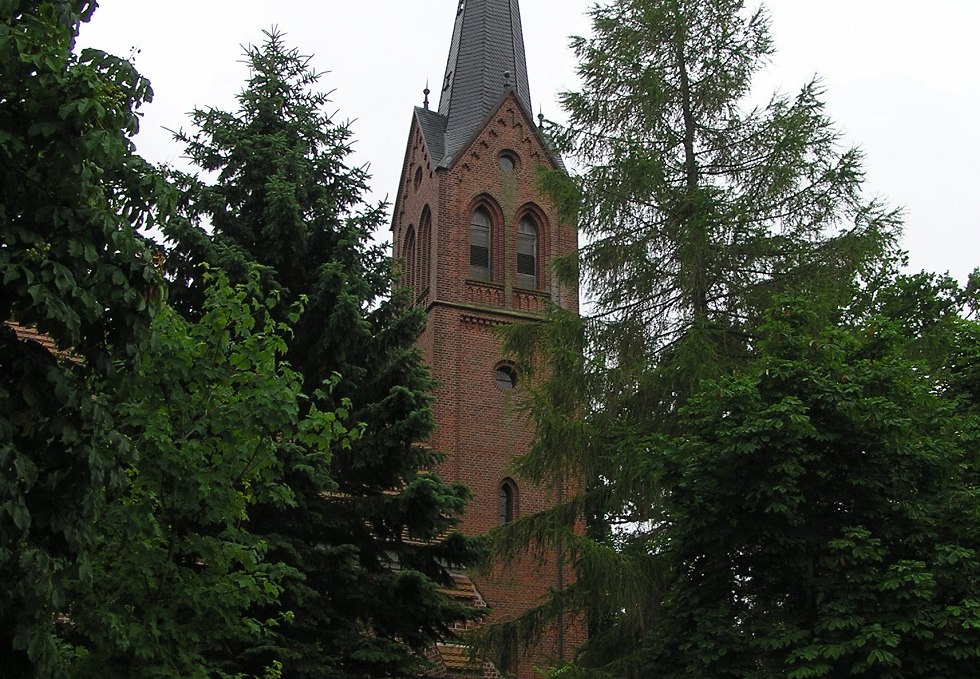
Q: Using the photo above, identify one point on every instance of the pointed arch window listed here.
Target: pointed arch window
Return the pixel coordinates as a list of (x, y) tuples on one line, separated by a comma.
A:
[(408, 254), (527, 253), (508, 501), (425, 250), (480, 245)]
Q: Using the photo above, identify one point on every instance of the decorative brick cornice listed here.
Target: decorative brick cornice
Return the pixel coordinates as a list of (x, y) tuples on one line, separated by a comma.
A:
[(487, 316), (483, 320)]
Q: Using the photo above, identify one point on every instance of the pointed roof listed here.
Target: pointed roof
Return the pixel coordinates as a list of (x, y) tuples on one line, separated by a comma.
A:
[(487, 44)]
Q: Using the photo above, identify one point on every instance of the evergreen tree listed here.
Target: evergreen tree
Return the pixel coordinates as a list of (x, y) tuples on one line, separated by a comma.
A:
[(72, 196), (814, 513), (373, 549)]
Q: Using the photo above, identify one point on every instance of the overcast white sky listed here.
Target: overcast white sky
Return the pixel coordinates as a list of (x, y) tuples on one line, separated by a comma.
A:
[(902, 79)]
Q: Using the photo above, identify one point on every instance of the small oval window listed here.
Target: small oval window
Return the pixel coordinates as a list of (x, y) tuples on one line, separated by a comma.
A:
[(418, 178)]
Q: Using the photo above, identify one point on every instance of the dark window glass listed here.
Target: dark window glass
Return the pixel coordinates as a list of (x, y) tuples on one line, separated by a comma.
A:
[(506, 377), (480, 245), (480, 255), (506, 163), (527, 254), (410, 273), (507, 498)]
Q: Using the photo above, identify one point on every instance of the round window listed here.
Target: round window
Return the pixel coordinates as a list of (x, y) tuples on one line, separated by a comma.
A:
[(507, 161), (506, 378)]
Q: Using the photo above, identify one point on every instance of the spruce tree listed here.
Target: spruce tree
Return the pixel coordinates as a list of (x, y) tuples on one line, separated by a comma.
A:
[(370, 534)]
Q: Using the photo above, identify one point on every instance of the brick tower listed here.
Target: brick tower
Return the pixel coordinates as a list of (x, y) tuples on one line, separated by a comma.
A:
[(476, 235)]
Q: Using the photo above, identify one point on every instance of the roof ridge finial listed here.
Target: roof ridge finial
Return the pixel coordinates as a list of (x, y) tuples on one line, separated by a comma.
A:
[(506, 78), (540, 118), (426, 92)]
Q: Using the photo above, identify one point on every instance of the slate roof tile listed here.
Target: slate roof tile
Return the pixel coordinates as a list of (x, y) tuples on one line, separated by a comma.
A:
[(487, 43)]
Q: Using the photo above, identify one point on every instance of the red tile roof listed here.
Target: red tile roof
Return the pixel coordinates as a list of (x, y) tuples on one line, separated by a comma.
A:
[(28, 334), (456, 660), (459, 658)]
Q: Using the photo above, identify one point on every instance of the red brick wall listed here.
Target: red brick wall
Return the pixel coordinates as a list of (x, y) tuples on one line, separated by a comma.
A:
[(479, 426), (412, 202)]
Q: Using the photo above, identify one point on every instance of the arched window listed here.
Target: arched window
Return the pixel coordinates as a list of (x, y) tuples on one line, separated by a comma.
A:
[(505, 376), (480, 245), (508, 501), (527, 253), (425, 249), (408, 254)]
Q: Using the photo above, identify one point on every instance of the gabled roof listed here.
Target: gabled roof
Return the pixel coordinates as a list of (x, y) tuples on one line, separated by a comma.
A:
[(488, 43), (433, 128)]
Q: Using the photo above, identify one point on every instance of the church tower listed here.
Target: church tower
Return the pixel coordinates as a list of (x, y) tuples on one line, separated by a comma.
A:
[(476, 235)]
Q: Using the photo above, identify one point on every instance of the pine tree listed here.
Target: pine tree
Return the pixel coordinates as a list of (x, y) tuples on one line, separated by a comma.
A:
[(372, 548)]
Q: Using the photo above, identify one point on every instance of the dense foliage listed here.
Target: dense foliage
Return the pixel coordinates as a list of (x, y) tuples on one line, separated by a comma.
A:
[(179, 571), (72, 196), (371, 548), (175, 499), (769, 487), (821, 515), (774, 433)]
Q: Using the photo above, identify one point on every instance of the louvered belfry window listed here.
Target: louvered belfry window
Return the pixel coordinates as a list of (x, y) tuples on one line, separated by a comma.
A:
[(480, 245), (527, 254)]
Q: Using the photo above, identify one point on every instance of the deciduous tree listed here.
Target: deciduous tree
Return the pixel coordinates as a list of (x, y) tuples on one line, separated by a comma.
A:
[(821, 515), (698, 206), (207, 421), (72, 196)]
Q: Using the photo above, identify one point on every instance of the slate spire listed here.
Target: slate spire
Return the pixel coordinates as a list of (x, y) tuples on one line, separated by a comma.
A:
[(487, 44)]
